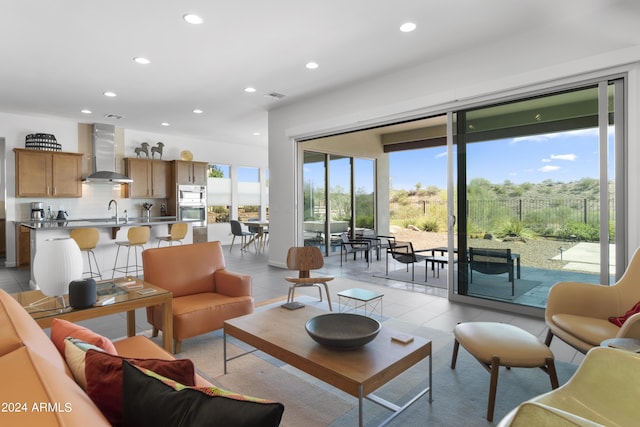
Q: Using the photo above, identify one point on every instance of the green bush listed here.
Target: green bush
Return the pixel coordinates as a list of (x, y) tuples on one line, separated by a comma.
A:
[(513, 228), (429, 225), (573, 230)]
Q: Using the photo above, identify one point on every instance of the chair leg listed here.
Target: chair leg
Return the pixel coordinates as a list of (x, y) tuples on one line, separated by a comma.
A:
[(95, 261), (177, 346), (154, 332), (326, 289), (454, 355), (493, 386), (547, 340), (232, 240), (115, 264), (551, 370)]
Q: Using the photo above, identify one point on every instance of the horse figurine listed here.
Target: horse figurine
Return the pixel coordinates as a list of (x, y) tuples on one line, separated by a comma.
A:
[(157, 149), (144, 148)]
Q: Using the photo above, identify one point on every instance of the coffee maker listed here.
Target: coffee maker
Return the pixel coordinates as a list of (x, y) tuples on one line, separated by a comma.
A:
[(37, 211)]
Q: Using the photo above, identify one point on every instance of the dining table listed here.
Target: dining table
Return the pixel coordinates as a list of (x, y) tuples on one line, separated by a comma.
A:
[(259, 238)]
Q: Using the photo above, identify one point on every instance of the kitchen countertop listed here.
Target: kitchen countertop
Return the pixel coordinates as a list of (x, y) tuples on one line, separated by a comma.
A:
[(99, 223)]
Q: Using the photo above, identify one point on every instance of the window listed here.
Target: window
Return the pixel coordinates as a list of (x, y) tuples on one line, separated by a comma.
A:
[(219, 193)]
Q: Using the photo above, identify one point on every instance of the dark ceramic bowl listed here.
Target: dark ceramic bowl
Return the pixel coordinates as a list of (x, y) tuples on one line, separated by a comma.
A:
[(342, 330)]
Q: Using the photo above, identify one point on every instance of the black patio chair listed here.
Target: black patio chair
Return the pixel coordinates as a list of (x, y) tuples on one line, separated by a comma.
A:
[(403, 253), (353, 246)]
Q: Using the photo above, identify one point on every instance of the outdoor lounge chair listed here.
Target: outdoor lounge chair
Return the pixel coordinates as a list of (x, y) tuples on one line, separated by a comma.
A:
[(491, 261), (403, 253)]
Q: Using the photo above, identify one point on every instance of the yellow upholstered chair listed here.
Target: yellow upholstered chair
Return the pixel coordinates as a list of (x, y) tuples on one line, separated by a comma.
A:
[(304, 259), (578, 313), (137, 237), (87, 240), (177, 232), (603, 392)]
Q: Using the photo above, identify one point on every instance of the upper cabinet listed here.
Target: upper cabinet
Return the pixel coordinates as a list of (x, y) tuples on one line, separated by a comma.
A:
[(190, 172), (48, 174), (150, 178)]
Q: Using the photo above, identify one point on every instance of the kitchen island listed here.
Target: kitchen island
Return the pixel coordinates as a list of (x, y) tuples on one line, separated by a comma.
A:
[(110, 231)]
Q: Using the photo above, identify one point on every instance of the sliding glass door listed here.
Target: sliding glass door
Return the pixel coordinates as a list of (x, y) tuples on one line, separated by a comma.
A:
[(537, 193), (338, 197)]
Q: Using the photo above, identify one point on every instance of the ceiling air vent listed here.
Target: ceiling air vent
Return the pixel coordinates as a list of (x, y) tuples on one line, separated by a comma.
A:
[(114, 116), (274, 95)]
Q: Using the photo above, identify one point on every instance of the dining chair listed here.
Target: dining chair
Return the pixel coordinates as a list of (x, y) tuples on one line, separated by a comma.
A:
[(237, 231)]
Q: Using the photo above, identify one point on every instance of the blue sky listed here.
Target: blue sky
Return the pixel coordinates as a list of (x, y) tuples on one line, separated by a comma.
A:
[(564, 157), (567, 156)]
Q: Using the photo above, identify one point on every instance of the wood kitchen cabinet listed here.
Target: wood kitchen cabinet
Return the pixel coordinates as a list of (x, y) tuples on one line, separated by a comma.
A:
[(23, 247), (150, 178), (48, 174), (190, 172)]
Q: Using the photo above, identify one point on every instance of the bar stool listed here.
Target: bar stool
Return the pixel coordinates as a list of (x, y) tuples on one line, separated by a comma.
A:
[(136, 237), (87, 240), (177, 232)]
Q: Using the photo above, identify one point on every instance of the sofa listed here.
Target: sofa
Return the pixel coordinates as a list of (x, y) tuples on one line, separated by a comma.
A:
[(129, 382), (38, 387), (205, 294)]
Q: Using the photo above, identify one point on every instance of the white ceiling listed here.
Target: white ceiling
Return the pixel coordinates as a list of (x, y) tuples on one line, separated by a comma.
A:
[(58, 57)]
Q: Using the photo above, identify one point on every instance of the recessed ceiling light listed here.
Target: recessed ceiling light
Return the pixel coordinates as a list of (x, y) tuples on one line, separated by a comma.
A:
[(256, 134), (141, 60), (407, 27), (164, 124), (85, 111), (198, 111), (250, 89), (109, 94), (312, 65), (192, 19)]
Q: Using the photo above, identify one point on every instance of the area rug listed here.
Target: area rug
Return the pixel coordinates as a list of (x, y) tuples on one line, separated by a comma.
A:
[(459, 396)]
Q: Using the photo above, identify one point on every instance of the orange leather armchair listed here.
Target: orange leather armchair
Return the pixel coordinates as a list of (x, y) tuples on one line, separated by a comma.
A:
[(578, 313), (205, 294)]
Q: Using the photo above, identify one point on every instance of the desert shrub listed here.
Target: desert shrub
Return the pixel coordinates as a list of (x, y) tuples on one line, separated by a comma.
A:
[(579, 231), (513, 228), (429, 225)]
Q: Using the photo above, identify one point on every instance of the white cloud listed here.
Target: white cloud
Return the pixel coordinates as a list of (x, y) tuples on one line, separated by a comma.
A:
[(569, 157), (546, 160), (443, 154), (549, 168)]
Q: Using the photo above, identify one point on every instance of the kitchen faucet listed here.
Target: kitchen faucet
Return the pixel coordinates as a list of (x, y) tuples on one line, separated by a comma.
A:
[(109, 208)]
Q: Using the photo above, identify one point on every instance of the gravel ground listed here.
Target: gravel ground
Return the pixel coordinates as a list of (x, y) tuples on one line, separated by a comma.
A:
[(533, 252)]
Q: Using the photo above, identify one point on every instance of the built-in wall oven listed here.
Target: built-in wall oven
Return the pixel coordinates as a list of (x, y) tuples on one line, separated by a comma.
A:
[(192, 204)]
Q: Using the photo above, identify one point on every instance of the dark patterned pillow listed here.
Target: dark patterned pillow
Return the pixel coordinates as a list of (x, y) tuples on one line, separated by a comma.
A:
[(152, 400)]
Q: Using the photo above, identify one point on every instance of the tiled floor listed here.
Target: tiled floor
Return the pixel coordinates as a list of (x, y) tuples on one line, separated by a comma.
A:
[(427, 306)]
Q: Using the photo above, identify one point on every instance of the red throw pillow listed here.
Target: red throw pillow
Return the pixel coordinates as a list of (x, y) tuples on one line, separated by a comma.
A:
[(104, 378), (618, 321), (61, 329)]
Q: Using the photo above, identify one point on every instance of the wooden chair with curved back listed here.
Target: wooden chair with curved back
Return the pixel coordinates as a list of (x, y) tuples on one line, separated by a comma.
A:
[(304, 259)]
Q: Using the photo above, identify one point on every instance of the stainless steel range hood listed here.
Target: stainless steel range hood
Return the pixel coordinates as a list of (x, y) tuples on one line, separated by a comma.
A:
[(104, 156)]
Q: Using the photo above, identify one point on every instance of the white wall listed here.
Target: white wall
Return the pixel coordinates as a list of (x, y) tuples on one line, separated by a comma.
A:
[(451, 83), (14, 128)]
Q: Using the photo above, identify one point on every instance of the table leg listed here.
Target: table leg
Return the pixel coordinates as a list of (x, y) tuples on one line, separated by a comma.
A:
[(360, 406), (167, 325), (131, 323), (518, 266)]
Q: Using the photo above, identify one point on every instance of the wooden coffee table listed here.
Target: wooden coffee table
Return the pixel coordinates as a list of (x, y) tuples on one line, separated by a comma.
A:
[(281, 334), (44, 310)]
